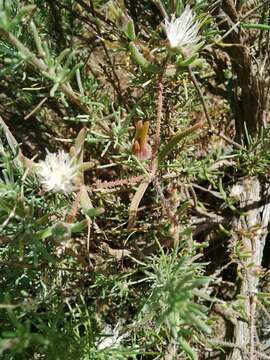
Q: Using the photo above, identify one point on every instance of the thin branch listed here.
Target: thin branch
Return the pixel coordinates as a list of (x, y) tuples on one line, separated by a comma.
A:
[(237, 24), (121, 182), (161, 8), (209, 121), (36, 108), (195, 83), (159, 115), (165, 204)]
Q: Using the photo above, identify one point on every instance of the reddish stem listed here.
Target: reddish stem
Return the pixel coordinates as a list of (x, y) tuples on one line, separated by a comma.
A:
[(158, 122)]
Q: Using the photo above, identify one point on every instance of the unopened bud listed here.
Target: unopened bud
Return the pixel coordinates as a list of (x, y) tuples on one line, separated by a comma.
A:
[(141, 149)]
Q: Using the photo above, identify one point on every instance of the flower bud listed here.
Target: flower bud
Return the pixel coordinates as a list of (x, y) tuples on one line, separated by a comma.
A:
[(140, 148)]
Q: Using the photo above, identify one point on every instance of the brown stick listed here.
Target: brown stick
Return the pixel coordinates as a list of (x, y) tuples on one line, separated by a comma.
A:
[(209, 121)]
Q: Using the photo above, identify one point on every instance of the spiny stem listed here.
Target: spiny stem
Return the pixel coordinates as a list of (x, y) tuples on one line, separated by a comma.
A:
[(154, 159), (159, 115), (122, 182), (75, 207)]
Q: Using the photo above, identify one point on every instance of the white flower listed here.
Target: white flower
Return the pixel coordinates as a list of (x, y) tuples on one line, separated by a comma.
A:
[(57, 172), (182, 32)]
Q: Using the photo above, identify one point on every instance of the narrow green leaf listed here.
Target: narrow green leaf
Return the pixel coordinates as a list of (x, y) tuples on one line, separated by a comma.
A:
[(256, 26), (80, 140), (140, 60), (43, 234), (187, 62), (85, 201), (130, 31), (187, 349), (78, 227), (201, 324), (173, 142), (93, 212)]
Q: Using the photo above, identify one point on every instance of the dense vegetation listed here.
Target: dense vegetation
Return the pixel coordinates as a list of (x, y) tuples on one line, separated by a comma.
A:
[(134, 169)]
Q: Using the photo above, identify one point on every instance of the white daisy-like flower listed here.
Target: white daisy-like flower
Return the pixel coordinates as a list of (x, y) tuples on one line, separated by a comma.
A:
[(57, 172), (182, 32)]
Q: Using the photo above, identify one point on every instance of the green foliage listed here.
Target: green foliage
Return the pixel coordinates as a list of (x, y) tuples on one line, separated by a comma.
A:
[(8, 22), (175, 279), (254, 158), (145, 251), (24, 216)]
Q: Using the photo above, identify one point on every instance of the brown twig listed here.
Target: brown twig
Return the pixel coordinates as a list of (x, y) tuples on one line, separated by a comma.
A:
[(115, 81), (236, 24), (165, 204), (36, 108), (209, 121), (195, 83), (161, 8)]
